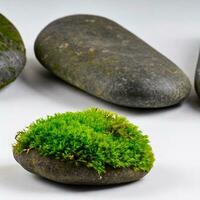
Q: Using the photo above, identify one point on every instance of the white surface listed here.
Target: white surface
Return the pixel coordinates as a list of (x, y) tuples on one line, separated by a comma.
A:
[(172, 27)]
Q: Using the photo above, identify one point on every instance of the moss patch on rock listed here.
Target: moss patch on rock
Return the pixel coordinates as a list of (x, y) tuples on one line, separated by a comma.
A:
[(95, 138), (9, 36)]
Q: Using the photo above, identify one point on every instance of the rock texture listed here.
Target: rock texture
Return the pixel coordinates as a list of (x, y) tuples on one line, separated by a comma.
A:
[(104, 59), (12, 52), (69, 173), (197, 78)]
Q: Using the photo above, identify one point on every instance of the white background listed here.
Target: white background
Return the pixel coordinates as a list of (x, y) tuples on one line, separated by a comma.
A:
[(173, 28)]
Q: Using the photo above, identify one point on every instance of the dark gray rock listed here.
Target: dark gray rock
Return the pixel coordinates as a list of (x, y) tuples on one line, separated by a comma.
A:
[(104, 59), (12, 52), (197, 78), (69, 173)]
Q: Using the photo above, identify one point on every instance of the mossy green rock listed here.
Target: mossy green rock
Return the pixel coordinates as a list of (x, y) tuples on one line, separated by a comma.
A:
[(197, 78), (104, 59), (12, 52), (92, 147), (68, 173)]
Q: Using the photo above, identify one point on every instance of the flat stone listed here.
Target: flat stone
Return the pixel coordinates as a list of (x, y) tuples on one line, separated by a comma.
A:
[(69, 173), (104, 59), (197, 78), (12, 52)]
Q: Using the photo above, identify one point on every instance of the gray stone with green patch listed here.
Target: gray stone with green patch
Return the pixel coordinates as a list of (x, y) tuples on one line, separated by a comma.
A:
[(104, 59), (12, 52)]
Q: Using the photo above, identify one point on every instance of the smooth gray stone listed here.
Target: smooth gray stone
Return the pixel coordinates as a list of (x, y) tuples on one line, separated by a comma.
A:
[(69, 173), (104, 59), (12, 52), (197, 78)]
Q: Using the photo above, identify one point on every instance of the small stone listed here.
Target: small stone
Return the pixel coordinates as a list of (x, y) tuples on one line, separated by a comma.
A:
[(197, 78), (106, 60), (12, 52)]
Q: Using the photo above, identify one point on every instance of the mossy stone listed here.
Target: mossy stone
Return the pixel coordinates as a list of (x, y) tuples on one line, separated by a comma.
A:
[(68, 173), (12, 52), (93, 147), (197, 78), (104, 59)]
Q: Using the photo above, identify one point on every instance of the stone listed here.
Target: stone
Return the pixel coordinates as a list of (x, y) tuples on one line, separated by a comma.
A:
[(92, 147), (12, 52), (197, 78), (69, 173), (104, 59)]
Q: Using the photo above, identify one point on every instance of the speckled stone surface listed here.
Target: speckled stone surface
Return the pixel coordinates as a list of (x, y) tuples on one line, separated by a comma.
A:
[(69, 173), (197, 78), (12, 52), (104, 59)]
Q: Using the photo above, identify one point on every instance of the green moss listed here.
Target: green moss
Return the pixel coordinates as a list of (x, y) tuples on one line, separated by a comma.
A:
[(96, 138), (9, 36)]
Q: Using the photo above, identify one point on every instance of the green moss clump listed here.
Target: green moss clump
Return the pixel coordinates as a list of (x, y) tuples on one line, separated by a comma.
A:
[(96, 138)]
